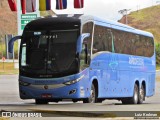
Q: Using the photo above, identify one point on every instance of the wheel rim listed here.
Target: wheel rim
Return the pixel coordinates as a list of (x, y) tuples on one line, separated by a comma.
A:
[(141, 94), (136, 95)]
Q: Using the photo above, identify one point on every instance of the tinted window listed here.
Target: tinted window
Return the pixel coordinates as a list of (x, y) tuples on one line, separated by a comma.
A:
[(51, 53), (133, 44), (124, 42), (86, 50), (102, 39), (88, 28)]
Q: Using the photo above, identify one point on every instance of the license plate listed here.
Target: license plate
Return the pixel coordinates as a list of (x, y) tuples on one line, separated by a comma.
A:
[(46, 96)]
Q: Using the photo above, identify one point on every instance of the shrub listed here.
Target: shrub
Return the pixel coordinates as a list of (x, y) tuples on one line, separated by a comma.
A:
[(158, 53)]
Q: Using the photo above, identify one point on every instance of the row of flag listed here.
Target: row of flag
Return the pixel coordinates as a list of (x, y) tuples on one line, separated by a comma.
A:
[(30, 5)]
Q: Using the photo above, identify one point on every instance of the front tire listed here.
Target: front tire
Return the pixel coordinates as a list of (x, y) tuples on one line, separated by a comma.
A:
[(93, 95), (74, 100), (39, 101)]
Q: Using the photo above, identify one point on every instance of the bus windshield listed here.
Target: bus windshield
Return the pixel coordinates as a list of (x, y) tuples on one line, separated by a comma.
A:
[(49, 53)]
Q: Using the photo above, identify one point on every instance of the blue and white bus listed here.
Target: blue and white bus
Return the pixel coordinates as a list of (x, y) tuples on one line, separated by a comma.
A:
[(84, 58)]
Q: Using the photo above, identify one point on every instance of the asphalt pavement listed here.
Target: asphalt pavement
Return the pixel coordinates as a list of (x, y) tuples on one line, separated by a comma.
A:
[(10, 101)]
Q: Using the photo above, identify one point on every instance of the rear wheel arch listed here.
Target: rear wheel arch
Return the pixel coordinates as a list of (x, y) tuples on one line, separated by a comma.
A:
[(93, 92)]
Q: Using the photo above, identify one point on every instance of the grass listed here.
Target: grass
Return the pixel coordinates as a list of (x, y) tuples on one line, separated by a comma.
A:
[(3, 49), (147, 19), (158, 67), (7, 68), (146, 14), (2, 118)]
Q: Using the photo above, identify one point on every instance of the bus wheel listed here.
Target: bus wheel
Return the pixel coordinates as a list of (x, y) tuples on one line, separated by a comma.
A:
[(74, 100), (39, 101), (134, 99), (141, 95), (93, 97)]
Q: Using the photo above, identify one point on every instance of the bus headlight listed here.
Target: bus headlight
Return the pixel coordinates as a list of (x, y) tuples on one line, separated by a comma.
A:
[(73, 81), (24, 83)]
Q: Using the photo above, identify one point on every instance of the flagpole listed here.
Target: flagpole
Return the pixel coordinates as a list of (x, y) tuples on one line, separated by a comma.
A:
[(19, 13), (18, 23)]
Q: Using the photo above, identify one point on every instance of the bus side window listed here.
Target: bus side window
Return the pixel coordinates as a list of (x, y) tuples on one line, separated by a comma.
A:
[(102, 40), (88, 28), (149, 47)]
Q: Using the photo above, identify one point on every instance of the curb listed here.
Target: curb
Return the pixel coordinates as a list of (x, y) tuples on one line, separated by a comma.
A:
[(77, 113)]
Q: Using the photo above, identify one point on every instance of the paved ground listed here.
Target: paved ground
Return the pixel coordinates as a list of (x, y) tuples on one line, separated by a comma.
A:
[(158, 72), (10, 101)]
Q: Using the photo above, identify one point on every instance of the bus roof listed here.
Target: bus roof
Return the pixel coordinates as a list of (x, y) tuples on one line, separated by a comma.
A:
[(86, 18), (114, 25)]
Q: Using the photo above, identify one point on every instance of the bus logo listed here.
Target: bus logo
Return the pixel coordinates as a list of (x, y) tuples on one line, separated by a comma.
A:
[(46, 87), (50, 36), (136, 61), (113, 63)]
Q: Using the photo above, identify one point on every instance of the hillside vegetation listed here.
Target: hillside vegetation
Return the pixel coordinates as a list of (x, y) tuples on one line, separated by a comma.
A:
[(147, 19), (8, 20)]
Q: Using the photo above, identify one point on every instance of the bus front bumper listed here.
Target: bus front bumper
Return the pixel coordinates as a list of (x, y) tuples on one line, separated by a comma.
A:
[(74, 91)]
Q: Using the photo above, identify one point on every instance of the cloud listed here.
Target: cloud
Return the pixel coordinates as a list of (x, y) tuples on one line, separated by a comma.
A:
[(105, 8)]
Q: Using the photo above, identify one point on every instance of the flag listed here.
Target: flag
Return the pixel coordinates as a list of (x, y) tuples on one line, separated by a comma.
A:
[(61, 4), (44, 5), (23, 6), (30, 5), (12, 5), (78, 3)]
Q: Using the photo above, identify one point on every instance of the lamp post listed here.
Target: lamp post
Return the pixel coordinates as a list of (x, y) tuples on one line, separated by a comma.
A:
[(124, 12)]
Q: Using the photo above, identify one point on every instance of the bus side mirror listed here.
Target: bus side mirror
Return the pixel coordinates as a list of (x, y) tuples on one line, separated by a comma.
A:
[(80, 41), (11, 43)]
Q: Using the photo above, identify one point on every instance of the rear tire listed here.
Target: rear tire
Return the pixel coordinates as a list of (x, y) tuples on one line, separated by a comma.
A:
[(93, 95), (141, 95), (134, 99), (39, 101)]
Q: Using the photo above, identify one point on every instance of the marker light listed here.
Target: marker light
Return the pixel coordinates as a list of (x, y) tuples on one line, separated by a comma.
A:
[(24, 83)]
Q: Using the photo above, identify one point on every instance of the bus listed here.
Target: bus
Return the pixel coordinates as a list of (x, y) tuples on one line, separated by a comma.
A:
[(85, 58)]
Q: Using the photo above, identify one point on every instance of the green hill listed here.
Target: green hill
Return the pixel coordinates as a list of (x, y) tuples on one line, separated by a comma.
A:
[(147, 19)]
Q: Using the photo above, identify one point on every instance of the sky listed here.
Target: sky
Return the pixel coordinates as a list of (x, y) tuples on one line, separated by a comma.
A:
[(107, 9)]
